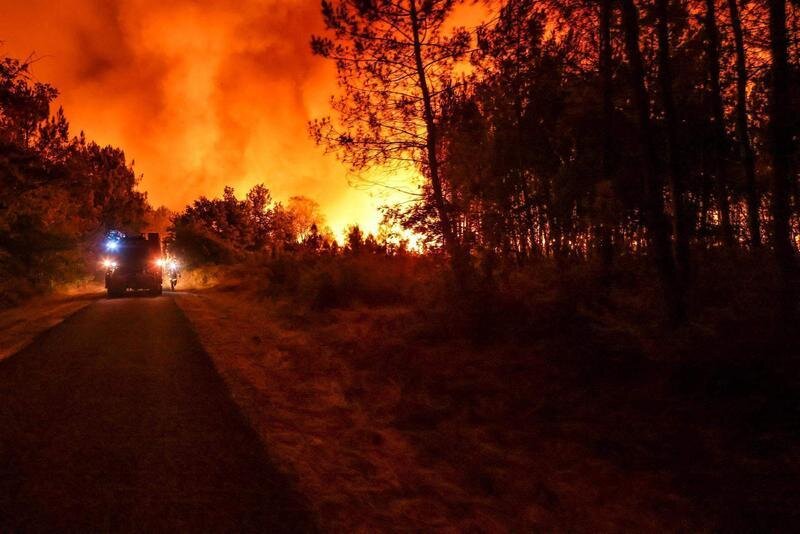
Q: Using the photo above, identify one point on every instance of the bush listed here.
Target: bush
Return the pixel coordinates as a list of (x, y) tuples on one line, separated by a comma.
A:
[(324, 282), (195, 245)]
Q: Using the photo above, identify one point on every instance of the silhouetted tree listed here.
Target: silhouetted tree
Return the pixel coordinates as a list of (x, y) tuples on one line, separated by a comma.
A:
[(657, 219), (355, 240), (742, 129), (674, 151), (781, 147), (605, 58), (718, 136), (394, 62), (305, 214)]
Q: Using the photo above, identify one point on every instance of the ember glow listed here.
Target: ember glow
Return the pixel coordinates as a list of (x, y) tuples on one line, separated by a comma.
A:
[(200, 94)]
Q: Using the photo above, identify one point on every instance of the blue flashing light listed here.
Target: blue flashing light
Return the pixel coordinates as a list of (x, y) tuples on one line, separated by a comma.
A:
[(112, 245)]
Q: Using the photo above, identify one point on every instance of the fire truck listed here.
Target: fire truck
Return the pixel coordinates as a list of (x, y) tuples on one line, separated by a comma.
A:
[(133, 262)]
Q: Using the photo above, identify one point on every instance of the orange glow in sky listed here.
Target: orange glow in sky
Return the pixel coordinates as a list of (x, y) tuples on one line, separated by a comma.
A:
[(200, 93)]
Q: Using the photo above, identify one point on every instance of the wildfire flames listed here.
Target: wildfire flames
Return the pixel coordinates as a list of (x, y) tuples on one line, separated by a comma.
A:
[(200, 94)]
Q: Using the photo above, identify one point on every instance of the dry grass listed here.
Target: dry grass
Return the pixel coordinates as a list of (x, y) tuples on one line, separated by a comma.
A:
[(552, 399), (21, 324), (384, 431)]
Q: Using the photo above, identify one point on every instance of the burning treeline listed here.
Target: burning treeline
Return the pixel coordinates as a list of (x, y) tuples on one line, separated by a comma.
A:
[(583, 129)]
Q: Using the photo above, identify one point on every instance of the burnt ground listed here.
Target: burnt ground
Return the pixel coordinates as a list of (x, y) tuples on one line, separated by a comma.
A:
[(116, 420)]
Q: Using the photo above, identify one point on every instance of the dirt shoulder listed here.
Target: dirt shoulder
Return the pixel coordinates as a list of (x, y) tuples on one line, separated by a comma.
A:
[(385, 430), (21, 324)]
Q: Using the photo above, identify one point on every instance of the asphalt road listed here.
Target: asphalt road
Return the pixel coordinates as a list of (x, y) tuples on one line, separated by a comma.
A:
[(117, 421)]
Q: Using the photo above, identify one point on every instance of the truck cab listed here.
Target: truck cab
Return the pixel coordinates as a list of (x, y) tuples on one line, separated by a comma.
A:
[(133, 262)]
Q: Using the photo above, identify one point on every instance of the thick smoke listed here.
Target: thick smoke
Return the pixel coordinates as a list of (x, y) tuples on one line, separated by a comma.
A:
[(201, 94)]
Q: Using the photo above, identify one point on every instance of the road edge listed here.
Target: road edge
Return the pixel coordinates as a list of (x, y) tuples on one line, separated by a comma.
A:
[(41, 312)]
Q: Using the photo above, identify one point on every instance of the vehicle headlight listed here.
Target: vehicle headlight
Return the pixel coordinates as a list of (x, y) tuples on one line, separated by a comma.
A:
[(160, 262)]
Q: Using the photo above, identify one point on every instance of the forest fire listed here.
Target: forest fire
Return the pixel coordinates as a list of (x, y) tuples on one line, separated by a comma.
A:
[(195, 115), (579, 311)]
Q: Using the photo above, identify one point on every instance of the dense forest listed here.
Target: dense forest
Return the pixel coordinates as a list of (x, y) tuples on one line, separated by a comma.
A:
[(59, 194), (580, 131)]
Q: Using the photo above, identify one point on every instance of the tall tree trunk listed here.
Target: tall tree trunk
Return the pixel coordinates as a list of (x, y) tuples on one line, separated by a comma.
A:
[(705, 201), (657, 221), (780, 130), (718, 144), (675, 163), (742, 131), (606, 224), (448, 232)]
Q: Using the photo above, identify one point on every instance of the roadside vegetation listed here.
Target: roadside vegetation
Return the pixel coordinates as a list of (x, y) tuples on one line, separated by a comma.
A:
[(60, 193), (550, 395), (545, 403)]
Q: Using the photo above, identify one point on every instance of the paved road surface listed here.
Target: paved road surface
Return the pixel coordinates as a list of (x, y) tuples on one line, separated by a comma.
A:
[(116, 421)]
